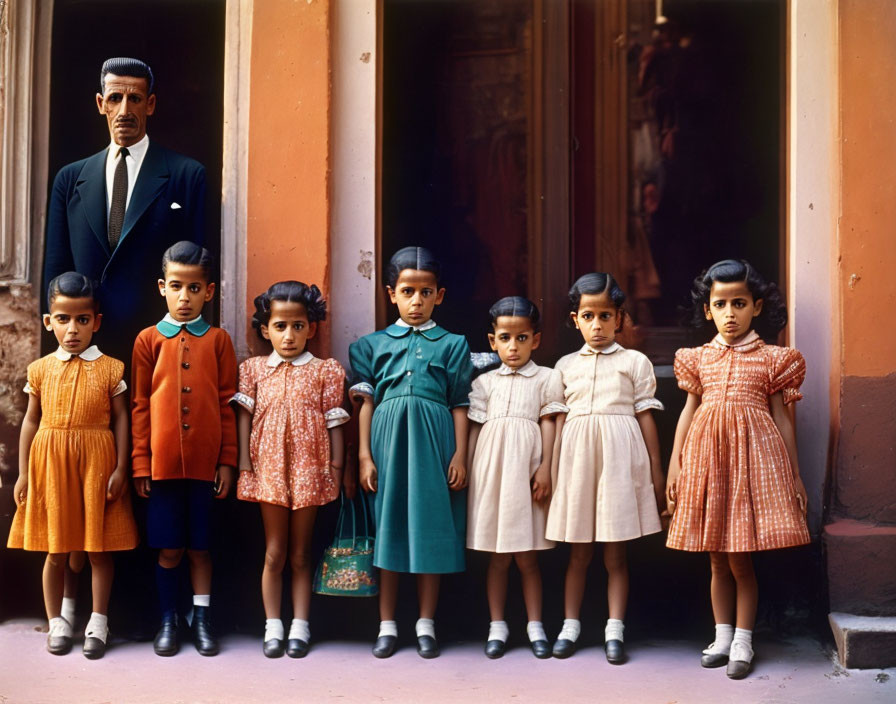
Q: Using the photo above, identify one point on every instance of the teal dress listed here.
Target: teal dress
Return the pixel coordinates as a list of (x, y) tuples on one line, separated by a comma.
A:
[(415, 378)]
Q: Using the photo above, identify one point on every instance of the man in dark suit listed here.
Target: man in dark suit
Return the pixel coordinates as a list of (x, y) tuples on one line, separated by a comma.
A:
[(112, 215)]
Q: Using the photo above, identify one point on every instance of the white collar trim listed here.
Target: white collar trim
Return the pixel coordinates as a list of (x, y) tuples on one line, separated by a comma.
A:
[(178, 323), (91, 354), (275, 360), (528, 369), (588, 349), (428, 325)]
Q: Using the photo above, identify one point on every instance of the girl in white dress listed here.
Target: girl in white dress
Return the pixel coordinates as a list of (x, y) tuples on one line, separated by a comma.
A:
[(608, 481), (510, 446)]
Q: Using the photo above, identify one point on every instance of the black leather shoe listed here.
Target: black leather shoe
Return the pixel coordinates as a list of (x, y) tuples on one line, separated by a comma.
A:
[(384, 646), (296, 648), (541, 648), (615, 651), (273, 648), (166, 643), (495, 649), (203, 638), (713, 659), (59, 645), (564, 648), (94, 648), (427, 647)]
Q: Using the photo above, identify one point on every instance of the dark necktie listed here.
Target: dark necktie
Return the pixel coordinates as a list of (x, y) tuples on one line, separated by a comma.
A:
[(119, 198)]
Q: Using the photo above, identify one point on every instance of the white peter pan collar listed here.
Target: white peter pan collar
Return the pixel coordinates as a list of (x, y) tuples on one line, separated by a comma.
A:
[(428, 325), (91, 354), (530, 368), (275, 360), (588, 349)]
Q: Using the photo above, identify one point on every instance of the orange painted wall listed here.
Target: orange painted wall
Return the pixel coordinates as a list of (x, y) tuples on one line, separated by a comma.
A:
[(868, 196), (288, 201)]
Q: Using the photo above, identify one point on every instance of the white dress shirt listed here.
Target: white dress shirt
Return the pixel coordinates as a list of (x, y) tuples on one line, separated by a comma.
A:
[(134, 161)]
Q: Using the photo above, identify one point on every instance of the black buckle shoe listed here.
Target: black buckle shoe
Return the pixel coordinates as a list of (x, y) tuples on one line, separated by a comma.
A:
[(495, 649), (166, 643), (296, 648), (384, 646), (203, 638), (541, 648), (615, 651), (94, 648), (427, 647), (563, 648), (273, 648)]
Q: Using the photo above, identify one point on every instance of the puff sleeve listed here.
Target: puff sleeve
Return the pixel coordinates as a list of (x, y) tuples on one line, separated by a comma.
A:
[(117, 384), (333, 378), (248, 384), (460, 371), (788, 374), (687, 370), (478, 411), (644, 382), (32, 385), (552, 395), (360, 356)]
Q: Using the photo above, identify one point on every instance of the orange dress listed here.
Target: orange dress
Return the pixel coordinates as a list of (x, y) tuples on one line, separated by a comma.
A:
[(736, 490), (71, 459)]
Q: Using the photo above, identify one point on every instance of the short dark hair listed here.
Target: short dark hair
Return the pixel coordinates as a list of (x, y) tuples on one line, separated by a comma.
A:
[(71, 284), (126, 66), (595, 283), (189, 253), (515, 306), (774, 312), (290, 292), (418, 258)]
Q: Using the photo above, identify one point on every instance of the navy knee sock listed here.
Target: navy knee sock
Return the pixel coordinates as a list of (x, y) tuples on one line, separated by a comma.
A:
[(166, 583)]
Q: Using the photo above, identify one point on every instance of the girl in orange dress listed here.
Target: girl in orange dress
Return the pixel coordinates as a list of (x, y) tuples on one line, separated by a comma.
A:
[(71, 493), (734, 484), (291, 450)]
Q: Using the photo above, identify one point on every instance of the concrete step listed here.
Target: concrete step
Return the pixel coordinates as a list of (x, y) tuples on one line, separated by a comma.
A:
[(861, 560), (864, 641)]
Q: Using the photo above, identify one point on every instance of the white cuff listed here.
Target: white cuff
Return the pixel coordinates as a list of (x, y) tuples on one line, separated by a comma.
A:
[(647, 403), (244, 400), (120, 389), (28, 389), (336, 416), (477, 416), (361, 389), (553, 408)]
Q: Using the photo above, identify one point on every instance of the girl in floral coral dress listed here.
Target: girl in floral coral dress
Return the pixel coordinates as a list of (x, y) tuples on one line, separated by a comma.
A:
[(291, 450), (734, 485)]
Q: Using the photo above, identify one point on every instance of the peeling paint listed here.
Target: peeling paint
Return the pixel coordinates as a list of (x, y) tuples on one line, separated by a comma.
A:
[(853, 280), (366, 264), (365, 57)]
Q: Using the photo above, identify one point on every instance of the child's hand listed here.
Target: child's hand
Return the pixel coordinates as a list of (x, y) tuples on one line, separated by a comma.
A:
[(665, 519), (801, 493), (20, 490), (672, 487), (660, 496), (223, 481), (142, 485), (541, 483), (457, 474), (367, 474), (115, 486)]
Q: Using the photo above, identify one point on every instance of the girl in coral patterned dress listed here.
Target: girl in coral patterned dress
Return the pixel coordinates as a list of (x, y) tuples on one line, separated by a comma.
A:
[(72, 491), (734, 485), (291, 450)]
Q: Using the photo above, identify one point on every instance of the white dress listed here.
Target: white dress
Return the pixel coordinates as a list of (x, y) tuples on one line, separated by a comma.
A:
[(501, 515), (603, 491)]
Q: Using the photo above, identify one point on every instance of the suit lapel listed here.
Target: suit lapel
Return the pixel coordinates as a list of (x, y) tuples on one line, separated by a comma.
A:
[(151, 180), (91, 189)]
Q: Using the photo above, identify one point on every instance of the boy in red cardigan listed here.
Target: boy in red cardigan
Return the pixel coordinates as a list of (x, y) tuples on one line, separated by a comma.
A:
[(184, 432)]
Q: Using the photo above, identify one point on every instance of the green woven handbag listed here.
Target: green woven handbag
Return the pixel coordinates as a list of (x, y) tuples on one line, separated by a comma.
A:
[(346, 568)]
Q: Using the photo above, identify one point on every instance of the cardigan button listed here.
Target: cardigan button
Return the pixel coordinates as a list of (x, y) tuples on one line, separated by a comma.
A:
[(186, 389), (185, 365), (184, 410), (186, 426)]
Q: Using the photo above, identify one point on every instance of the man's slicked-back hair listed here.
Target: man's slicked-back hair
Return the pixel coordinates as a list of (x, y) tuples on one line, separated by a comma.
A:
[(126, 66)]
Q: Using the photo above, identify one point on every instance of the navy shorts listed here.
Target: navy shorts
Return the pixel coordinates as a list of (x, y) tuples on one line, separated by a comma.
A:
[(180, 514)]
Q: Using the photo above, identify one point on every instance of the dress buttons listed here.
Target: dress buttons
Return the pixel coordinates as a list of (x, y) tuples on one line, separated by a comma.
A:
[(186, 426), (185, 365), (184, 410), (409, 373), (186, 389)]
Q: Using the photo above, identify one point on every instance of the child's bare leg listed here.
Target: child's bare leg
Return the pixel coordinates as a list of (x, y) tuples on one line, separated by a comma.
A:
[(616, 563), (530, 576), (102, 570), (200, 571), (169, 558), (741, 564), (722, 588), (580, 555), (496, 584), (301, 526), (428, 594), (388, 594), (76, 561), (276, 526), (54, 583)]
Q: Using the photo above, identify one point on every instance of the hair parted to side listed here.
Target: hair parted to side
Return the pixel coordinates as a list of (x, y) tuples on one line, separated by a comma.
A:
[(190, 254), (418, 258), (595, 283), (71, 284), (774, 312), (515, 307), (126, 66), (289, 292)]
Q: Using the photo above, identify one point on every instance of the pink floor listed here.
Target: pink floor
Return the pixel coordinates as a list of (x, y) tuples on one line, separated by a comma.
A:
[(658, 671)]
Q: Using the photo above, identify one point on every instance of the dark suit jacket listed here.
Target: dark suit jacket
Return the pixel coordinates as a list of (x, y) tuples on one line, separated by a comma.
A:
[(77, 239)]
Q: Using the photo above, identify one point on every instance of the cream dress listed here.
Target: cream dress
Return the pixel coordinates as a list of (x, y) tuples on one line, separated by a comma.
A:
[(501, 515), (603, 490)]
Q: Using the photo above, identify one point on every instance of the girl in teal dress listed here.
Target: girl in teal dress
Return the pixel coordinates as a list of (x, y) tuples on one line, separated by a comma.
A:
[(413, 379)]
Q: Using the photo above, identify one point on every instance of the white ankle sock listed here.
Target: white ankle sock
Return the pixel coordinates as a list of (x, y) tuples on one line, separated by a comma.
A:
[(299, 628), (426, 627), (498, 630), (273, 629), (722, 644), (68, 609), (60, 627), (614, 630), (572, 627), (202, 599), (535, 631), (388, 628), (97, 627), (742, 635)]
